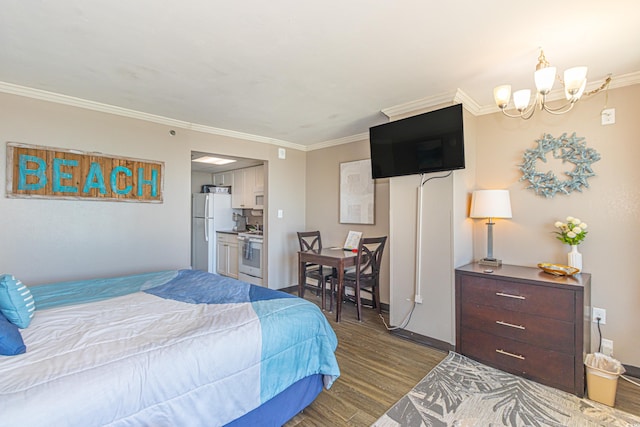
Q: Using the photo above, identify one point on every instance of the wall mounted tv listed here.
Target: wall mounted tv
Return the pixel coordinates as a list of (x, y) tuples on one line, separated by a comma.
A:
[(429, 142)]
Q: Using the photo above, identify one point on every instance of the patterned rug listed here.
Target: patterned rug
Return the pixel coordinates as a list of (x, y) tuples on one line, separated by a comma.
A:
[(462, 392)]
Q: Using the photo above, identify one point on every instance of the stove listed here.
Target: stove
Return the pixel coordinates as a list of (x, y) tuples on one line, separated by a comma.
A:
[(251, 257)]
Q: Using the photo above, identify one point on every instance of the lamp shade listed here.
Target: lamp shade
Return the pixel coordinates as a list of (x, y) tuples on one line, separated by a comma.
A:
[(501, 95), (521, 99), (544, 79), (490, 204)]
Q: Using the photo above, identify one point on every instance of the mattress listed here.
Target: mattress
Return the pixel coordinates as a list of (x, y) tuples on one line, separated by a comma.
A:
[(171, 348)]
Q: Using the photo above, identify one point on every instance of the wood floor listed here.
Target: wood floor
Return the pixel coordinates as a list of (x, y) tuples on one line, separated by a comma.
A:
[(378, 368)]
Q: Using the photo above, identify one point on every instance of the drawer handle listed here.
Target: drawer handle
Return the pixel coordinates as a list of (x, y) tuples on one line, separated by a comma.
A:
[(506, 353), (511, 325), (501, 294)]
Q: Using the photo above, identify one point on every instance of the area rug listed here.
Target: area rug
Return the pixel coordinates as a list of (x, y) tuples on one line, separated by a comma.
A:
[(462, 392)]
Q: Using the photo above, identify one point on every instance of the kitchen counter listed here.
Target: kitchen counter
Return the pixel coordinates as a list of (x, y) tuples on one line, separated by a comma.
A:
[(228, 231), (253, 233)]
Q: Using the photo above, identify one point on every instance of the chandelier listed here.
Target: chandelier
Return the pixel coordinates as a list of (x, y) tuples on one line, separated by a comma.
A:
[(575, 81)]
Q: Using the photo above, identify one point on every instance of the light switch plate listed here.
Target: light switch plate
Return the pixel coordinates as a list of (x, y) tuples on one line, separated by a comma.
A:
[(607, 347), (608, 116)]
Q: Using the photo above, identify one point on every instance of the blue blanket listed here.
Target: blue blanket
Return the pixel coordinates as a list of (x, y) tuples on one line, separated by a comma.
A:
[(277, 311), (295, 338), (199, 287), (82, 291)]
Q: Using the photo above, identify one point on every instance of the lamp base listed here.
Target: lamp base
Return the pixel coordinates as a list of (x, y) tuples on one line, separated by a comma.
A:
[(490, 261)]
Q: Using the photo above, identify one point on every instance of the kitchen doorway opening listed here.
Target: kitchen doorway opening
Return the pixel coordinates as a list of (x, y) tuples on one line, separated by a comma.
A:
[(245, 180)]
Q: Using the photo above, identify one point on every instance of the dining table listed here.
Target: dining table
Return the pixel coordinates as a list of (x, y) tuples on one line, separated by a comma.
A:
[(337, 258)]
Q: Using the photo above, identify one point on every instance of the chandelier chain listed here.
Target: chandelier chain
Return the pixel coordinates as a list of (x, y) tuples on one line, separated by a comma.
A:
[(604, 85)]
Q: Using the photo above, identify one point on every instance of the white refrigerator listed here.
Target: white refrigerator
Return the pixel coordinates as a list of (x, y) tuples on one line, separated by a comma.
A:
[(209, 212)]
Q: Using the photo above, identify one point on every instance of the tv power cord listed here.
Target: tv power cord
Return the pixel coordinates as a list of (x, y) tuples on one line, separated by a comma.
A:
[(417, 292)]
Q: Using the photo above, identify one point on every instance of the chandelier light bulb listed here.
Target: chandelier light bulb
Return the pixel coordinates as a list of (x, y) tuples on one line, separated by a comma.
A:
[(502, 94), (521, 99), (544, 79), (574, 79), (575, 97)]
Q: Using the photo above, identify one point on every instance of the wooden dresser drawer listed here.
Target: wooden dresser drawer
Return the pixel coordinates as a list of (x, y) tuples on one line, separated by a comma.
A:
[(524, 321), (539, 300), (543, 332), (547, 366)]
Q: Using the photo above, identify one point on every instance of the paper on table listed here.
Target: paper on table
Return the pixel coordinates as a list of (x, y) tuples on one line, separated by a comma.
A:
[(353, 238)]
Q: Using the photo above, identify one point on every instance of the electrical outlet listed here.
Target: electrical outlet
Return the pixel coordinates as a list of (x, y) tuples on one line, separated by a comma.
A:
[(601, 313), (607, 347)]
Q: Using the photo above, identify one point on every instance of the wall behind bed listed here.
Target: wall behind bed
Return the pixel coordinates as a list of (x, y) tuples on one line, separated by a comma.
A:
[(44, 241)]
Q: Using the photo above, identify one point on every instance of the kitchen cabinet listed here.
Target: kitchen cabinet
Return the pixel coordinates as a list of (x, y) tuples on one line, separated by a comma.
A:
[(258, 183), (525, 321), (248, 188), (223, 178), (227, 254), (237, 191)]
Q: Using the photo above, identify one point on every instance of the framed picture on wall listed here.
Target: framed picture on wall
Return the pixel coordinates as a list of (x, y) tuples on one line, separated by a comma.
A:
[(357, 195)]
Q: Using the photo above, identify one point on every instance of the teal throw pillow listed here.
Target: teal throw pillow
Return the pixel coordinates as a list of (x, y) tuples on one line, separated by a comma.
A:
[(16, 301), (11, 342)]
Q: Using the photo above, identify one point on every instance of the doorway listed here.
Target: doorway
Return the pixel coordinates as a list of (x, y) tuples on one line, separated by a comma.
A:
[(245, 179)]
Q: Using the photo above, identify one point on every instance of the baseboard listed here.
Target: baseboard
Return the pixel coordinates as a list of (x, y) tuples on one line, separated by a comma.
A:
[(424, 340), (632, 371), (366, 302), (290, 289)]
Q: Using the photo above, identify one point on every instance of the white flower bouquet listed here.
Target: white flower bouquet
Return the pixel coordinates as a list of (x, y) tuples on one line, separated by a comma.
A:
[(571, 232)]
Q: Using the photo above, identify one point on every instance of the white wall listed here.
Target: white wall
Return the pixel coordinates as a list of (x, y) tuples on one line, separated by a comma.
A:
[(323, 202), (447, 242), (45, 241), (433, 317)]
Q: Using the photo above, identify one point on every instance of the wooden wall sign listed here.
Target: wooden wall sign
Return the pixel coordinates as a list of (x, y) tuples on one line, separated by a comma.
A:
[(55, 173)]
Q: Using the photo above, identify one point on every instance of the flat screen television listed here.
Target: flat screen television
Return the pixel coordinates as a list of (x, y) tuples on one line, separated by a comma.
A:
[(428, 142)]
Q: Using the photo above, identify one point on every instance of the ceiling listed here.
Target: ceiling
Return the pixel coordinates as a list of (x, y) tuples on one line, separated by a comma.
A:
[(303, 73)]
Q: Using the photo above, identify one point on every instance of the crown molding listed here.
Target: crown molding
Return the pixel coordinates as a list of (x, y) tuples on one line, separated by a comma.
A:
[(457, 97), (470, 104), (622, 80), (340, 141), (57, 98), (418, 104)]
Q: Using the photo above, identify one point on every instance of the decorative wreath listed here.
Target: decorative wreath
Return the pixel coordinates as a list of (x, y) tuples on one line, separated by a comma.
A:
[(571, 149)]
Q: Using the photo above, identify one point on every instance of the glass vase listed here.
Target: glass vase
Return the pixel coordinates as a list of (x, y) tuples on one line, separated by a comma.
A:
[(574, 258)]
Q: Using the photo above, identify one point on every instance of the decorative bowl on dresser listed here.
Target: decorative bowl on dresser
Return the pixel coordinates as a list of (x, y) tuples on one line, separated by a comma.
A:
[(525, 321)]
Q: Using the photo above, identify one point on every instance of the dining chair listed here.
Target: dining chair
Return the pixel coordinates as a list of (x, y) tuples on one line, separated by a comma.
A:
[(311, 240), (366, 275)]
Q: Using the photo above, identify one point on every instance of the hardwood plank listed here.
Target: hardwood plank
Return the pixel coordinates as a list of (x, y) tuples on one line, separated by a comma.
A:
[(628, 396), (378, 368)]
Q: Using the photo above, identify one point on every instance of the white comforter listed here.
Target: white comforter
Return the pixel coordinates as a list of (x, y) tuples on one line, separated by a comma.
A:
[(137, 360)]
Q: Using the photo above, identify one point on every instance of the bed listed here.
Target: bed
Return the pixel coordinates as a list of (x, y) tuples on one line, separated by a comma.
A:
[(167, 348)]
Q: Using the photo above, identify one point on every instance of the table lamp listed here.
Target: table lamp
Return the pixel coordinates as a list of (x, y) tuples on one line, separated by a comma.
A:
[(490, 204)]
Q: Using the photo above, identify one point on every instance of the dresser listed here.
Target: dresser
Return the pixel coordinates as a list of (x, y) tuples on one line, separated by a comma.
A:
[(525, 321)]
